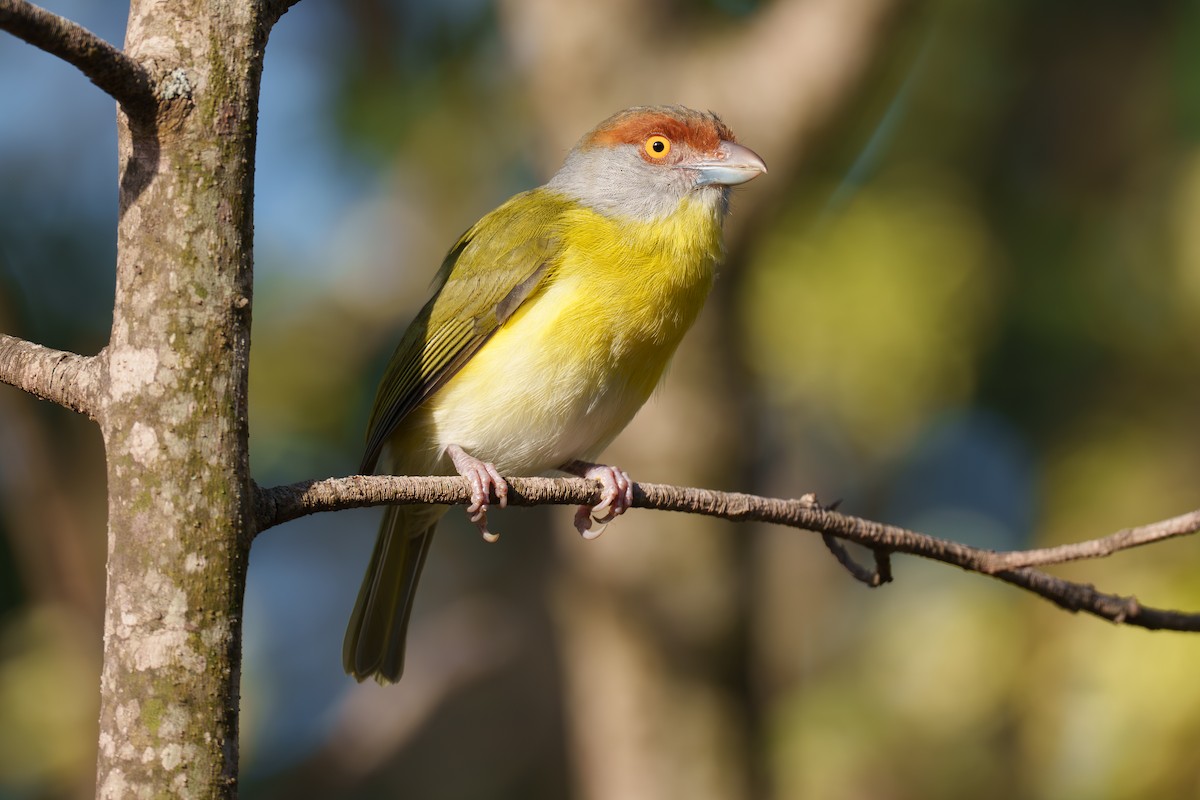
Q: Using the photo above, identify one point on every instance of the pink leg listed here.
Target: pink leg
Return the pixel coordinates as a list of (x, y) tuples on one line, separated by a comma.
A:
[(615, 498), (484, 479)]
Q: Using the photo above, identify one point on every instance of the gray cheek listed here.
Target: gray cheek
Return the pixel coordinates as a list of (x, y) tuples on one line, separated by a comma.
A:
[(621, 184)]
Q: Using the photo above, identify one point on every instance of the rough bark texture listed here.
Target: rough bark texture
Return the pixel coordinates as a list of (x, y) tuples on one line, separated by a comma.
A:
[(64, 378), (174, 415)]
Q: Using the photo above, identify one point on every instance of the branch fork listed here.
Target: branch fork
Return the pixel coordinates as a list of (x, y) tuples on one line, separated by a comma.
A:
[(110, 68)]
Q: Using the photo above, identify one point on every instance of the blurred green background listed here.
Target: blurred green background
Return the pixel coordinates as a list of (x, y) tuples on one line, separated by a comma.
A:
[(966, 299)]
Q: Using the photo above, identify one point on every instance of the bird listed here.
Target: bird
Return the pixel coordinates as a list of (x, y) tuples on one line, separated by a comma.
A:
[(552, 321)]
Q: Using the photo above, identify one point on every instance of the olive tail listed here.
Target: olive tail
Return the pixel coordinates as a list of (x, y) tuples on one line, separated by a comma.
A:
[(374, 644)]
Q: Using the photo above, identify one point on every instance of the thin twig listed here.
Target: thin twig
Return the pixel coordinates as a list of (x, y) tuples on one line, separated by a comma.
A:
[(883, 565), (106, 66), (1182, 525), (871, 577), (65, 378), (283, 503)]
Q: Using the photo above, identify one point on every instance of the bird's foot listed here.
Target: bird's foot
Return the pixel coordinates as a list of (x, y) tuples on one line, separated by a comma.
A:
[(616, 496), (484, 480)]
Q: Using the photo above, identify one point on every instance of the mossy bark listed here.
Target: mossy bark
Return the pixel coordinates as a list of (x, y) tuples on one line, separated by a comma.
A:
[(174, 415)]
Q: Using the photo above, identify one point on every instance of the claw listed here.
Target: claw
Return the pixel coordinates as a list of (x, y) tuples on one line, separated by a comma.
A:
[(616, 497), (484, 480), (588, 528)]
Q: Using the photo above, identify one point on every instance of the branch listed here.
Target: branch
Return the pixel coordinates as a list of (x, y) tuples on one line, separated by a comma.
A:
[(1182, 525), (276, 9), (283, 503), (71, 380), (106, 66)]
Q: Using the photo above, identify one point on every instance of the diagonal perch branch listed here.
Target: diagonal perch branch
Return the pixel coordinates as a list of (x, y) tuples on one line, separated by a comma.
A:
[(283, 503), (65, 378), (106, 66)]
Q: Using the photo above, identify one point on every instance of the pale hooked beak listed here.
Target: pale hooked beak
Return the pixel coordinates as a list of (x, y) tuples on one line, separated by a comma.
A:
[(732, 164)]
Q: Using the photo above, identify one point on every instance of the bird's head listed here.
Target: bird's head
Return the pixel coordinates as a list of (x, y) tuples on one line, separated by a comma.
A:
[(644, 161)]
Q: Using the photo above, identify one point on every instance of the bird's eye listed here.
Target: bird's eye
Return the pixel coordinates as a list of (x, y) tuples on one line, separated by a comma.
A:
[(657, 146)]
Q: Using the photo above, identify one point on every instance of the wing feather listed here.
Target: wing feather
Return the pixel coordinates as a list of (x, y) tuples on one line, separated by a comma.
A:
[(492, 269)]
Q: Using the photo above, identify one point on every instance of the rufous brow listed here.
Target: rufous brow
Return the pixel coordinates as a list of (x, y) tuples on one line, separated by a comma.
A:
[(701, 132)]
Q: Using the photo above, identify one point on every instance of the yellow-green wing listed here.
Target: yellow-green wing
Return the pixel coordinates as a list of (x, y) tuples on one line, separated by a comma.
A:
[(489, 272)]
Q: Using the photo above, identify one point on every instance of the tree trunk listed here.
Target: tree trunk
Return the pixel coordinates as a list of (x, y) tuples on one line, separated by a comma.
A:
[(174, 407)]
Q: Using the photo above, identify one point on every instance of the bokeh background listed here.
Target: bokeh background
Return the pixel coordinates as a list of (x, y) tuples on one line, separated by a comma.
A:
[(966, 299)]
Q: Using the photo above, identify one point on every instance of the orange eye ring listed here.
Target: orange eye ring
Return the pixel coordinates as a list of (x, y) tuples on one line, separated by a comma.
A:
[(658, 146)]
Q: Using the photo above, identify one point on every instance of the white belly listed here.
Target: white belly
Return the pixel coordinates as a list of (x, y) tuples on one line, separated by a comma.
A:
[(541, 392)]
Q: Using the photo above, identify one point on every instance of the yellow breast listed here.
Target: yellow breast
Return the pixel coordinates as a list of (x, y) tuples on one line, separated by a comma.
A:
[(565, 374)]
